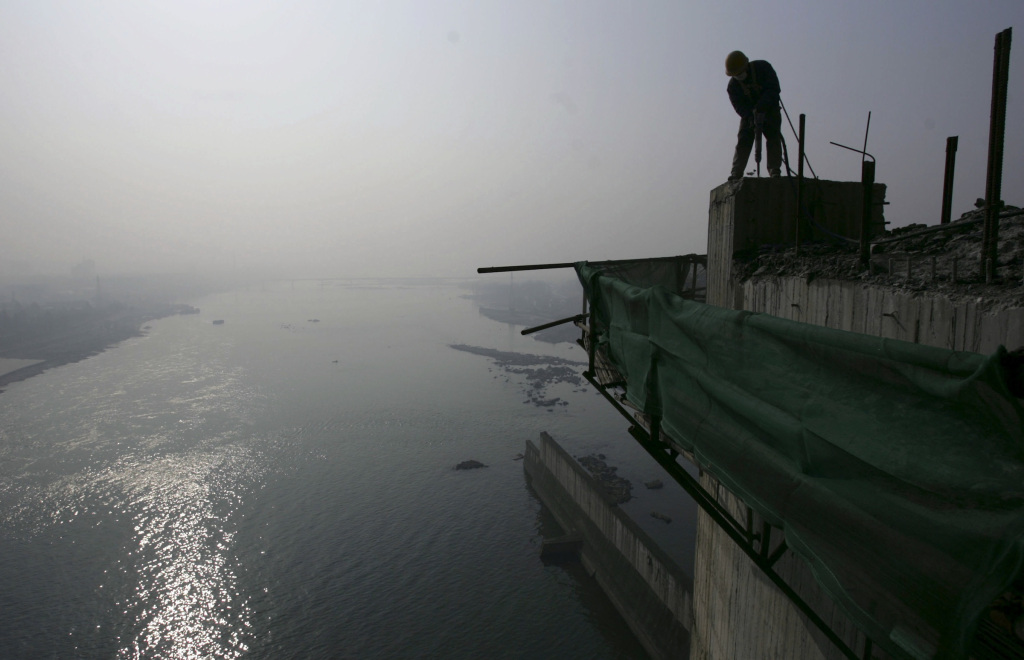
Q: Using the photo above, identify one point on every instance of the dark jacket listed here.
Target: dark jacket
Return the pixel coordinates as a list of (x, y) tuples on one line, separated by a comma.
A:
[(760, 91)]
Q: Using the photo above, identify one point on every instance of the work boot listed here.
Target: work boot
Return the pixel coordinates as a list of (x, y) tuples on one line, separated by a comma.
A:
[(774, 174), (735, 177)]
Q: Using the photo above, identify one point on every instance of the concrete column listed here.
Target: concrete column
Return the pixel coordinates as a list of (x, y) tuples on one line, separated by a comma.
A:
[(750, 214)]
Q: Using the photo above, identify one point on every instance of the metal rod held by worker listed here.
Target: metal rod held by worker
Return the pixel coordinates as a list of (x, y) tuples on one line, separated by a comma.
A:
[(570, 319), (758, 137), (997, 129), (947, 184)]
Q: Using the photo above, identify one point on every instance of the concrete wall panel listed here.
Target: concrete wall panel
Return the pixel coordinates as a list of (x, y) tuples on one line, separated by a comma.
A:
[(928, 319)]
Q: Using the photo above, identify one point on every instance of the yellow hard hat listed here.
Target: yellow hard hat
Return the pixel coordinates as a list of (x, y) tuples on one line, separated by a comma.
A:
[(735, 62)]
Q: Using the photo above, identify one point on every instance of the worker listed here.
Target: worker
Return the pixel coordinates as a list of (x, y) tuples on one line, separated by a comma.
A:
[(754, 92)]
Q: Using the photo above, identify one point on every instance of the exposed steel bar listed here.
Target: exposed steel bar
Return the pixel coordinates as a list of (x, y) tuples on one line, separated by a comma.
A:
[(867, 180), (863, 153), (805, 158), (947, 184), (800, 183), (867, 128), (997, 130)]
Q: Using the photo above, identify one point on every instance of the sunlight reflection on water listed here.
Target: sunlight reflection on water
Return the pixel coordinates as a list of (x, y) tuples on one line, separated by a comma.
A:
[(187, 602), (169, 469)]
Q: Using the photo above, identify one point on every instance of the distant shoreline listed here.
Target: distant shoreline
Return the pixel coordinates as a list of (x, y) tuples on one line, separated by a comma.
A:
[(23, 373), (66, 345)]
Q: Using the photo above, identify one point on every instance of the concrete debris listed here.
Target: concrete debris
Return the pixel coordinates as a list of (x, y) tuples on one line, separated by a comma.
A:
[(912, 261), (619, 489)]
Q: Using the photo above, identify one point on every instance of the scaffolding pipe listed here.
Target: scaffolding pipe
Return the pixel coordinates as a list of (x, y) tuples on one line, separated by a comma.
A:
[(571, 264), (569, 319)]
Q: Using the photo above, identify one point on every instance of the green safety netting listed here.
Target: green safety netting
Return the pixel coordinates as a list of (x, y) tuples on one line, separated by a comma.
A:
[(895, 470)]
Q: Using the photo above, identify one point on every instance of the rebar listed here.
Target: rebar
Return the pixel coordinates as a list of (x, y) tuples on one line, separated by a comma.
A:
[(804, 157), (997, 130), (867, 180), (800, 183), (947, 183), (866, 129)]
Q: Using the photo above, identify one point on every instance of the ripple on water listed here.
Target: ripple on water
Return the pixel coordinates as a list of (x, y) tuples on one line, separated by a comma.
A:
[(164, 471), (187, 602)]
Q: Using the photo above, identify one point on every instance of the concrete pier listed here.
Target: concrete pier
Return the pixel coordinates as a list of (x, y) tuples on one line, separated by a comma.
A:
[(650, 591), (747, 214)]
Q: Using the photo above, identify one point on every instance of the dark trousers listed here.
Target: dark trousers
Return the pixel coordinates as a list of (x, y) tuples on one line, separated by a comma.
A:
[(772, 131)]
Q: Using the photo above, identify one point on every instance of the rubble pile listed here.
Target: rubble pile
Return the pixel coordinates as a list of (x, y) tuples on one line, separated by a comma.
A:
[(913, 259), (618, 488)]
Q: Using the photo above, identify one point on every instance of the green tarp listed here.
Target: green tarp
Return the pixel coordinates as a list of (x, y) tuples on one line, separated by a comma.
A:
[(895, 470)]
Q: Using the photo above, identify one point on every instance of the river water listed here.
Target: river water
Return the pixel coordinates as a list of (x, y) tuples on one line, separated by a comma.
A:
[(279, 487)]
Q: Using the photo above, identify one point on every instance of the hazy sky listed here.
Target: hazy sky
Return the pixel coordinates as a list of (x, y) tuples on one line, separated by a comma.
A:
[(430, 137)]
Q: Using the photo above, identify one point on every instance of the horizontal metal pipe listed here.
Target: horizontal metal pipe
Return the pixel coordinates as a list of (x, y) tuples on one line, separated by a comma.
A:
[(507, 269), (569, 319)]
